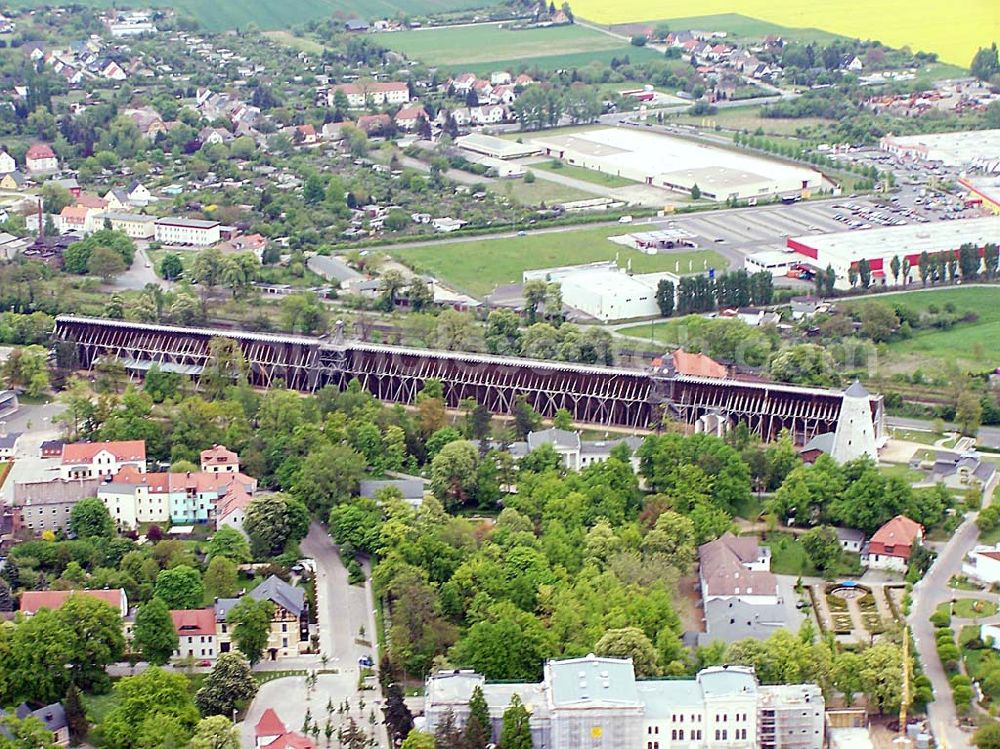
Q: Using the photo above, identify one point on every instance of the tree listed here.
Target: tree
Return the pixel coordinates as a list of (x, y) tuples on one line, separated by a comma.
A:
[(478, 726), (969, 412), (251, 625), (230, 684), (89, 518), (895, 265), (985, 63), (421, 740), (516, 732), (27, 368), (106, 263), (76, 715), (804, 364), (630, 642), (268, 524), (526, 418), (180, 587), (673, 538), (329, 475), (534, 295), (55, 197), (239, 271), (822, 546), (881, 667), (229, 543), (220, 578), (171, 266), (987, 736), (207, 267), (865, 273), (695, 191), (453, 473), (215, 732), (154, 636), (665, 297), (152, 706), (27, 733), (878, 321)]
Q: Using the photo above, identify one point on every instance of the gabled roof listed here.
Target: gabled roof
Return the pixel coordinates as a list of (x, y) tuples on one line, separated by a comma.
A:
[(555, 437), (40, 151), (269, 724), (34, 600), (899, 531), (194, 622), (84, 452), (277, 591), (724, 572), (697, 365), (219, 455)]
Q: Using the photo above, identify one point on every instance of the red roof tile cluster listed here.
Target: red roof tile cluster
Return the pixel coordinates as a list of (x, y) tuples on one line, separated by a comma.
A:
[(33, 600), (219, 454), (40, 151), (194, 622), (270, 725), (697, 365), (85, 452), (899, 532)]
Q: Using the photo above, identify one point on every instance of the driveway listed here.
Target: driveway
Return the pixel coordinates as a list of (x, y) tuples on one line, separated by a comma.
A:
[(140, 274), (37, 423)]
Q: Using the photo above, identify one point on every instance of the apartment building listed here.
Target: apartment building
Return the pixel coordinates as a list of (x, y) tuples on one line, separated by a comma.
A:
[(191, 232), (46, 505), (84, 460)]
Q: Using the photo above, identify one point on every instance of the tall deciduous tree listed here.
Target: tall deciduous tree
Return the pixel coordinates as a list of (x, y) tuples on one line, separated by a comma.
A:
[(630, 642), (215, 732), (155, 705), (251, 625), (220, 578), (516, 733), (155, 636), (229, 684), (89, 518), (229, 543), (180, 587), (329, 475)]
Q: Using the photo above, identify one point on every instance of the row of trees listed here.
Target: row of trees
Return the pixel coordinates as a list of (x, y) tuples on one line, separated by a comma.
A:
[(705, 293)]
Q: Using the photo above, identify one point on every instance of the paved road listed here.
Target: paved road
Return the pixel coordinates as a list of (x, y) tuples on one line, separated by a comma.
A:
[(928, 594), (37, 423), (136, 277)]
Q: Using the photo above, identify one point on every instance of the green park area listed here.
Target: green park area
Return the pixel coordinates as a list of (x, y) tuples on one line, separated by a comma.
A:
[(488, 47), (970, 342), (477, 266)]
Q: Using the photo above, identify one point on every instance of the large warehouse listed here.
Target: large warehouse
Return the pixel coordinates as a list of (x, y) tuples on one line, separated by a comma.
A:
[(845, 249), (966, 149), (678, 164)]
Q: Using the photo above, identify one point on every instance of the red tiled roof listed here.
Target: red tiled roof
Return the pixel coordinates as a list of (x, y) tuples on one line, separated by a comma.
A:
[(76, 213), (270, 724), (697, 365), (33, 600), (291, 740), (194, 622), (410, 113), (237, 498), (219, 454), (91, 201), (371, 88), (199, 481), (84, 452), (40, 151), (898, 531), (994, 555)]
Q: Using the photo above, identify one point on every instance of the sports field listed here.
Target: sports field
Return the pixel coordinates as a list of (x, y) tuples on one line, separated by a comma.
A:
[(972, 346), (953, 30), (487, 47), (477, 266), (219, 15)]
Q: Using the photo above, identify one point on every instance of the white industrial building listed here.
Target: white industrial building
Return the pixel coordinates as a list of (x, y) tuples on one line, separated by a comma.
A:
[(844, 250), (598, 702), (497, 148), (187, 231), (678, 164), (775, 262), (604, 291), (967, 149)]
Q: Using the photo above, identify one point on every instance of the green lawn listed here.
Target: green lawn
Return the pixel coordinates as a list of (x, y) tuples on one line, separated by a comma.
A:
[(915, 435), (299, 43), (972, 346), (156, 257), (477, 266), (789, 558), (219, 15), (969, 608), (487, 47), (538, 192), (583, 174), (906, 473)]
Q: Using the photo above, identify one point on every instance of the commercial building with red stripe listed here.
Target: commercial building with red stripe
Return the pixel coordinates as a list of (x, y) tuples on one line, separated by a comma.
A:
[(844, 250)]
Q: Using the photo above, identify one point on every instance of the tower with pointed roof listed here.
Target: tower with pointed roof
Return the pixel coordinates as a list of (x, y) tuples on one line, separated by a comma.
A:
[(855, 433)]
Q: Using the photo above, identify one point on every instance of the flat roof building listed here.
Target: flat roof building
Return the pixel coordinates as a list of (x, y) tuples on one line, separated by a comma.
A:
[(984, 189), (604, 291), (678, 164), (978, 149), (497, 148), (844, 250)]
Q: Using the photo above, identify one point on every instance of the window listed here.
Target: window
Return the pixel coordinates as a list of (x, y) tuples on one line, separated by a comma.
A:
[(725, 735), (680, 734), (673, 735), (718, 733)]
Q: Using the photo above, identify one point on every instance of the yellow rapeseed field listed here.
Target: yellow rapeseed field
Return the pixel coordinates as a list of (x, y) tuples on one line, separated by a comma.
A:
[(952, 29)]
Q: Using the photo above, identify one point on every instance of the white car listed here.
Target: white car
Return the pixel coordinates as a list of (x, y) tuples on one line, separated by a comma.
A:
[(625, 220)]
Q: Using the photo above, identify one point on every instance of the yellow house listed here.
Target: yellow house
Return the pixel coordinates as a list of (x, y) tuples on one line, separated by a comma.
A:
[(289, 626)]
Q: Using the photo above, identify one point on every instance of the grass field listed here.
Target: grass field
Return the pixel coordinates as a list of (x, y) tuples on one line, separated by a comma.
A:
[(486, 47), (972, 346), (538, 192), (300, 43), (219, 15), (953, 32), (583, 174), (478, 266)]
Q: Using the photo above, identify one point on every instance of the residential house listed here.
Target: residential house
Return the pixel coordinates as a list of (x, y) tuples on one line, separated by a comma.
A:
[(487, 114), (737, 567), (51, 448), (983, 564), (851, 540), (46, 505), (34, 600), (500, 78), (891, 545), (113, 71), (963, 471), (75, 218), (8, 445), (180, 498), (375, 124), (289, 624), (41, 159), (356, 25), (219, 459), (271, 733), (412, 490), (187, 231), (89, 459), (408, 117), (503, 95), (52, 717), (7, 163), (371, 93), (213, 136), (148, 120), (304, 134), (70, 184), (196, 632), (135, 225), (576, 454), (463, 84), (13, 181), (116, 199), (139, 195)]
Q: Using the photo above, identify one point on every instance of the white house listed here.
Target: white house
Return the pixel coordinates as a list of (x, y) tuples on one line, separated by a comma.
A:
[(219, 459), (139, 195), (187, 231), (737, 567), (196, 636), (40, 158), (84, 460), (374, 93), (8, 445), (891, 545), (7, 163), (983, 564)]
